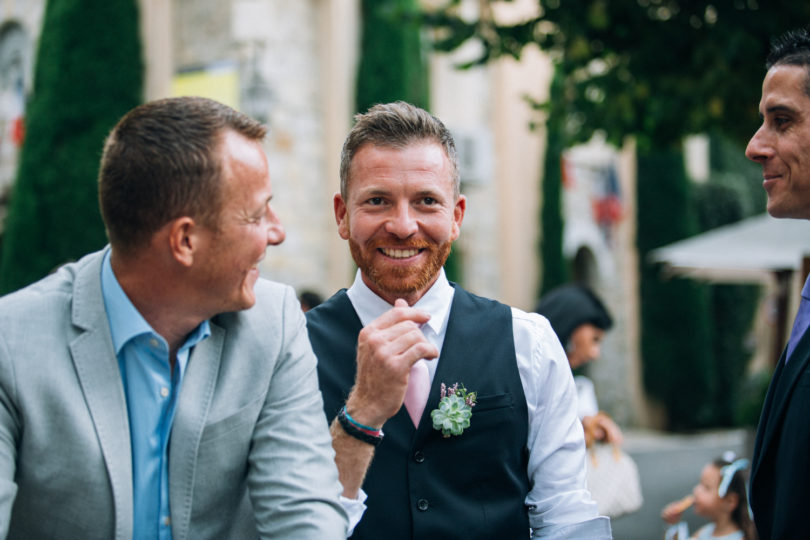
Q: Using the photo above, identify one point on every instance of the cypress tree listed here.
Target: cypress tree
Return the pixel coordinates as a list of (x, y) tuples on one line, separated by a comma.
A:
[(675, 326), (393, 67), (87, 74), (555, 270)]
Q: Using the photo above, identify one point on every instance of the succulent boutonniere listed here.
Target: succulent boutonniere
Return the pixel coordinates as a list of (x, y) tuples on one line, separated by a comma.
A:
[(455, 410)]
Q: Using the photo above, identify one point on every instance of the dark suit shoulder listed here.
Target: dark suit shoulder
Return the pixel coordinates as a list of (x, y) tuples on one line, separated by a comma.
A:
[(474, 299), (335, 312)]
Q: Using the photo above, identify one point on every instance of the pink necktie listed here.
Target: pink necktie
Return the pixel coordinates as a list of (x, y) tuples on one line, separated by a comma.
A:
[(417, 392)]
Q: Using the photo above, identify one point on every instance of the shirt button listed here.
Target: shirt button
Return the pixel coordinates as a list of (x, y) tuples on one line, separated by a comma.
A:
[(153, 343), (418, 456), (167, 521), (422, 504), (164, 392)]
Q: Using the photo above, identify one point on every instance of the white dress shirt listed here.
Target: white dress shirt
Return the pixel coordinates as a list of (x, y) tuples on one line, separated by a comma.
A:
[(558, 497)]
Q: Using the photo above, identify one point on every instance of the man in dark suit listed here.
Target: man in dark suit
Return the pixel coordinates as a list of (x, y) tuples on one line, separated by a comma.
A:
[(780, 474), (520, 461)]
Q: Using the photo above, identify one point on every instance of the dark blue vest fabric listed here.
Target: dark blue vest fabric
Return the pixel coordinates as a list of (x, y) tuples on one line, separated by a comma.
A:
[(421, 485)]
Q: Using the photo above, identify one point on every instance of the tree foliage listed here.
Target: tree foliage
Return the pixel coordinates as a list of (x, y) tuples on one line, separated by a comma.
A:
[(654, 69), (87, 74)]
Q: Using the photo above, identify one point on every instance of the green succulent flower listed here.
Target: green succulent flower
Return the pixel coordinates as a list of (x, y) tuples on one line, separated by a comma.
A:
[(454, 412)]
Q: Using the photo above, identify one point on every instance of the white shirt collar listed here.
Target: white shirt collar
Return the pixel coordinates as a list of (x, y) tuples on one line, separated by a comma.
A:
[(436, 302)]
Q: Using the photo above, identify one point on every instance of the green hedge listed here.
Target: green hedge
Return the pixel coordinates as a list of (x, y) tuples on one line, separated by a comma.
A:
[(695, 344), (88, 73), (392, 60), (552, 262), (733, 192), (732, 309), (675, 332)]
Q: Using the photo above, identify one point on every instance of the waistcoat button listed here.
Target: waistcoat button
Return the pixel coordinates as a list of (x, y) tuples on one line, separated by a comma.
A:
[(422, 504), (418, 456)]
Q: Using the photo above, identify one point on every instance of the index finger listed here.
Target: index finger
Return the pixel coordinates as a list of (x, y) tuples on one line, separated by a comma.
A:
[(399, 313)]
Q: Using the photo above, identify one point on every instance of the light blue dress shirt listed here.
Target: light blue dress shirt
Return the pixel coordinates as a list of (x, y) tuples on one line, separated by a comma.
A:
[(151, 391)]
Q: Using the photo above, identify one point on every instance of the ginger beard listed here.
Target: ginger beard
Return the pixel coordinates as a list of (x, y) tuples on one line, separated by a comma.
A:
[(399, 280)]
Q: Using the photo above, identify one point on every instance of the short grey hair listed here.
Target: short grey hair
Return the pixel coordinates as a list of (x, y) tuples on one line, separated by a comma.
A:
[(396, 125)]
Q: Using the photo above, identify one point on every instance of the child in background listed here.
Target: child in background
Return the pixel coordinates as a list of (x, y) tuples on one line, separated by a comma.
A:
[(720, 496)]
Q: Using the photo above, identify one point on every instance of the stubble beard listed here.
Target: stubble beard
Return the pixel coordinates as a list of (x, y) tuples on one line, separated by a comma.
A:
[(399, 280)]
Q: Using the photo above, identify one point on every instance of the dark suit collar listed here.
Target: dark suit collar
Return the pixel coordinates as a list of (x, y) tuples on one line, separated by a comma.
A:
[(783, 383), (791, 369)]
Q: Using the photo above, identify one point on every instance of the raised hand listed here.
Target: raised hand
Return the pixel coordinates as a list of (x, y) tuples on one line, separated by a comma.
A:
[(386, 350)]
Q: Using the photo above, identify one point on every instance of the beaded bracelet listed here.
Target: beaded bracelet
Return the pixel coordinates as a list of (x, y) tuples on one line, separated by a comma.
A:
[(353, 430)]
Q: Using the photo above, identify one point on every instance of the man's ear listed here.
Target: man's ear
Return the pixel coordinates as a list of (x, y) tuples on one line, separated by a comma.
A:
[(183, 238), (341, 216), (458, 216)]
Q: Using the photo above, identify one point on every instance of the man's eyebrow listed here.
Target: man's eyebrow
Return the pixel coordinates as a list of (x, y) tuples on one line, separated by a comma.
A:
[(374, 192), (779, 108)]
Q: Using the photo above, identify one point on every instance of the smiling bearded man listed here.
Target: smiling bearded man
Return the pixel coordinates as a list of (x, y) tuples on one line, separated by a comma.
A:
[(520, 463), (400, 280), (400, 217)]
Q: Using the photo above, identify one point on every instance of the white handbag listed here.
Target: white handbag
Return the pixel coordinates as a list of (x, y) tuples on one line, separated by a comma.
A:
[(613, 480)]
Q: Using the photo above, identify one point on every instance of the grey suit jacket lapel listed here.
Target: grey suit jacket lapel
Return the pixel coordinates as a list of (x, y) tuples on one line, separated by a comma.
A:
[(100, 378), (190, 417)]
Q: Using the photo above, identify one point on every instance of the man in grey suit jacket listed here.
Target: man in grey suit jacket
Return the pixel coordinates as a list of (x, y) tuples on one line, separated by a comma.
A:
[(159, 388)]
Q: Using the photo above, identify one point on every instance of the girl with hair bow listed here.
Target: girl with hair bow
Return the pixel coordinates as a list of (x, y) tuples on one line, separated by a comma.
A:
[(721, 497)]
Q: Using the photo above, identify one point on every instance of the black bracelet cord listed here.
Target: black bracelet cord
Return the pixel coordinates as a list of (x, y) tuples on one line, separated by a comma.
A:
[(350, 429)]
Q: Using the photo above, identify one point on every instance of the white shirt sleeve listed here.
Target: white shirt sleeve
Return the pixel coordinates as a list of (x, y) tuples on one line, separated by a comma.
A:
[(560, 505), (355, 508)]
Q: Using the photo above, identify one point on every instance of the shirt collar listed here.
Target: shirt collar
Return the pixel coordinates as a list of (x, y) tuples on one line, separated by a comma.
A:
[(125, 320), (436, 302), (806, 288)]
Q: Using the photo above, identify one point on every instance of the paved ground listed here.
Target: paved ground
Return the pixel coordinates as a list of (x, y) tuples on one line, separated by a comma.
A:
[(669, 466)]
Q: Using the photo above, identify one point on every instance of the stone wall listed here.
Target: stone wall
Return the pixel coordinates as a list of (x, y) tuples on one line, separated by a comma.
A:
[(287, 58)]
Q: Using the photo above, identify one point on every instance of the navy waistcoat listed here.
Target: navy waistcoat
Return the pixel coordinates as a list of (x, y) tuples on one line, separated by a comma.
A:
[(421, 485)]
